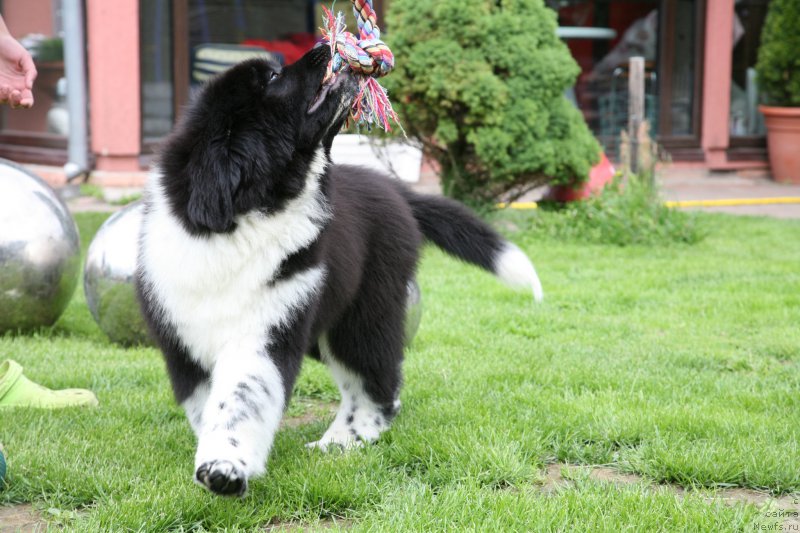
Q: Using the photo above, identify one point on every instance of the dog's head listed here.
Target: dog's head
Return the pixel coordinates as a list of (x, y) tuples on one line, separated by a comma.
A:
[(250, 137)]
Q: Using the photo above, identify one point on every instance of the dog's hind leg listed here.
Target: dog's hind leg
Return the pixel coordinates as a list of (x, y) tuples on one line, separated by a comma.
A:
[(364, 353), (362, 416)]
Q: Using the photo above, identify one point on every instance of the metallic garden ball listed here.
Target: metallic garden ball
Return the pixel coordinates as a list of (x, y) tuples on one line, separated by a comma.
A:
[(413, 311), (108, 278), (39, 251)]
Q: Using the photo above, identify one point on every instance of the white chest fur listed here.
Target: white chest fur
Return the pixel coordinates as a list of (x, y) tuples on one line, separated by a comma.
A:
[(216, 290)]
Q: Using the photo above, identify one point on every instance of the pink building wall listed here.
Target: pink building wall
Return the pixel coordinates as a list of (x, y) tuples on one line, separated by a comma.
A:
[(718, 57), (717, 81), (24, 16), (112, 30)]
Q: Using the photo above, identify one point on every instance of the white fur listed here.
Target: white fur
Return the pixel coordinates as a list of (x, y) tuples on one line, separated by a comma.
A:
[(514, 268), (367, 422), (254, 435), (215, 291), (198, 280)]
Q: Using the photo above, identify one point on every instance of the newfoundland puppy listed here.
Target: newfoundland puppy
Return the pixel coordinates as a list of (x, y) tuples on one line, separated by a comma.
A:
[(255, 250)]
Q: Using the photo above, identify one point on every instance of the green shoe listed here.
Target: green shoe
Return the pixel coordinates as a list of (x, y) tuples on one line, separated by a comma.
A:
[(18, 391)]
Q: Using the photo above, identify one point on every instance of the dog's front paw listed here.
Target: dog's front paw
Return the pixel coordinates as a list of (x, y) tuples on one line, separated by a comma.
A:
[(221, 477)]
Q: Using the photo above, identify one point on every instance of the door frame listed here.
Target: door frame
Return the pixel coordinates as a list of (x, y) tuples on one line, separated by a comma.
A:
[(683, 147)]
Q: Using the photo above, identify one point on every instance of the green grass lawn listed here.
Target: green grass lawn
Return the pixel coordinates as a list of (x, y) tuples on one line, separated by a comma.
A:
[(678, 363)]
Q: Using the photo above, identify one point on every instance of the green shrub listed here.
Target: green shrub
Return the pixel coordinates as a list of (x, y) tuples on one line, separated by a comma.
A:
[(778, 65), (480, 83), (126, 199), (50, 50), (621, 215), (90, 189)]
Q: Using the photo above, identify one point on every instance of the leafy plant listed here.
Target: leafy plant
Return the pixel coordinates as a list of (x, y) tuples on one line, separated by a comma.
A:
[(623, 214), (50, 49), (778, 65), (95, 191), (90, 189), (126, 199), (480, 83)]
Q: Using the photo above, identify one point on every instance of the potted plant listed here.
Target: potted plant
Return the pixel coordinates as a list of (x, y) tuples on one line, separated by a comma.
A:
[(778, 70)]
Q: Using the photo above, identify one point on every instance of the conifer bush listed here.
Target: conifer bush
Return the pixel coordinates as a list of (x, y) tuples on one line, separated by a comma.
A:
[(480, 84), (778, 65)]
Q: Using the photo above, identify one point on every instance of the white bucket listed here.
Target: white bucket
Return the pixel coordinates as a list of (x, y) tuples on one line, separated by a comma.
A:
[(399, 160)]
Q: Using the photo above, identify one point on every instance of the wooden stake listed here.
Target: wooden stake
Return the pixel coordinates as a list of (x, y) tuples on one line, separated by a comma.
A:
[(635, 108)]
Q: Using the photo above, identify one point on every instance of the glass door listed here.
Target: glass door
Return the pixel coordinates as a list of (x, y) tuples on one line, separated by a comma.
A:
[(158, 91), (680, 61), (747, 134)]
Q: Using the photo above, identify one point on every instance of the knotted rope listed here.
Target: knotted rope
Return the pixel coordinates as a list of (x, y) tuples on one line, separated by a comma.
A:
[(367, 57)]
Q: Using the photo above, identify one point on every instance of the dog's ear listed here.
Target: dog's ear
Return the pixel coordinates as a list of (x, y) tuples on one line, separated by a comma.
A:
[(214, 180)]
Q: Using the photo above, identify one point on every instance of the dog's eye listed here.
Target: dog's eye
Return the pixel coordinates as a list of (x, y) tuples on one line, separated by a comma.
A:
[(274, 76)]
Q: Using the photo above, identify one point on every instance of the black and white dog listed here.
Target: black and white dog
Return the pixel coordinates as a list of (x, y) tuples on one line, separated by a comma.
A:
[(256, 250)]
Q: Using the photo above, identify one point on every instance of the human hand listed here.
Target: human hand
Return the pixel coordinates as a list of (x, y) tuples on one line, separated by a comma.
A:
[(17, 73)]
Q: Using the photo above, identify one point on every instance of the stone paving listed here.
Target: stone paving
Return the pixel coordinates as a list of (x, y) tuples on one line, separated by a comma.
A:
[(696, 184)]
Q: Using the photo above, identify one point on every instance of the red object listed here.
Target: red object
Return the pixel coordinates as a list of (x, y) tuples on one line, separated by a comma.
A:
[(292, 48), (600, 176), (783, 138)]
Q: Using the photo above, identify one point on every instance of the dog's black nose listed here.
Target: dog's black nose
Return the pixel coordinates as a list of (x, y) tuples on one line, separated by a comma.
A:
[(319, 54)]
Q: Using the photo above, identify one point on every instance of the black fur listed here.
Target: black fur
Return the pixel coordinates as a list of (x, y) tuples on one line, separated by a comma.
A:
[(216, 161), (470, 239)]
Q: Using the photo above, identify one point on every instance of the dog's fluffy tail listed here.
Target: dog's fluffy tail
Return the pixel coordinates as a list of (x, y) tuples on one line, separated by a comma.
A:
[(456, 230)]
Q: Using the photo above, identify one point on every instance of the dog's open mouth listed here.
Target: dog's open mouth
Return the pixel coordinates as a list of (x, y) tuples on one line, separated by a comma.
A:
[(331, 83)]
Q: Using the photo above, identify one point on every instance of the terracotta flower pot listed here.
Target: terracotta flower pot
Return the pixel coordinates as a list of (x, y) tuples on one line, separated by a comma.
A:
[(783, 142), (601, 175)]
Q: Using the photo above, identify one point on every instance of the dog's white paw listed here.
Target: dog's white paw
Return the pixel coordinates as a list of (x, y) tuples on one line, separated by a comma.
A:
[(337, 439), (221, 477), (352, 429)]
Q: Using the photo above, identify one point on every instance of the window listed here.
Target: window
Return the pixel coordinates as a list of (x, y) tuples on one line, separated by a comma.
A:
[(603, 34), (745, 119), (156, 69), (184, 42), (38, 134)]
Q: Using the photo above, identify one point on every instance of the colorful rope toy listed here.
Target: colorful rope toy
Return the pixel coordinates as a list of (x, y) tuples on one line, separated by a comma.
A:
[(367, 57)]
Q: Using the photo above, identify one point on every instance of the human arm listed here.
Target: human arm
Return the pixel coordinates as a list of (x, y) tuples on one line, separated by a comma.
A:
[(17, 71)]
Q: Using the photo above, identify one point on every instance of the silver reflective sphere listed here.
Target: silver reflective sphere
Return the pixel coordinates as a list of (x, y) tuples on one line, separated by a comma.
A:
[(413, 311), (108, 277), (39, 251)]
